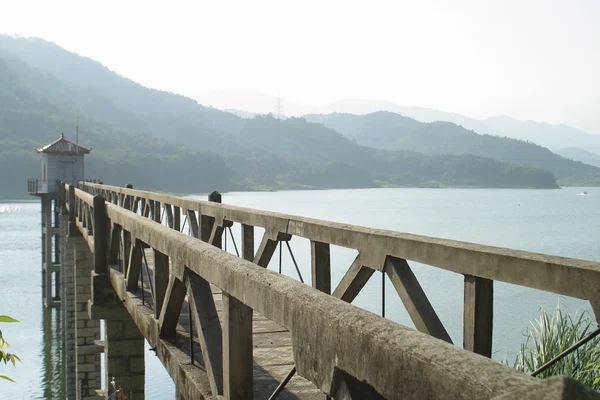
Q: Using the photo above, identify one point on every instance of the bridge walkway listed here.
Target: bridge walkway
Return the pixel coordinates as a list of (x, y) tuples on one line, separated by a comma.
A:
[(253, 325), (273, 358)]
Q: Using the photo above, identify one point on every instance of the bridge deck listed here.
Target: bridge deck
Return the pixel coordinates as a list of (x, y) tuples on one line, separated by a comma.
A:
[(273, 358), (394, 361)]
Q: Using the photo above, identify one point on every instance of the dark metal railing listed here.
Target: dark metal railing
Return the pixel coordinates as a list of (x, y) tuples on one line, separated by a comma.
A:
[(32, 185)]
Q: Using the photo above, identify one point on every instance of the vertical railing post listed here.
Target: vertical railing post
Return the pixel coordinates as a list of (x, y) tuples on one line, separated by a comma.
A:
[(72, 204), (100, 276), (248, 242), (151, 208), (60, 198), (237, 349), (47, 251), (126, 235), (207, 222), (157, 212), (128, 198), (161, 280), (478, 315), (126, 249), (321, 266), (177, 218), (237, 336), (169, 214), (57, 246)]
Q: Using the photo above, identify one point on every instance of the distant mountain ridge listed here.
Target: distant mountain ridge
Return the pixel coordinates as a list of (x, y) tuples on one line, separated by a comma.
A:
[(35, 108), (387, 130), (159, 140), (577, 154), (112, 93), (547, 135)]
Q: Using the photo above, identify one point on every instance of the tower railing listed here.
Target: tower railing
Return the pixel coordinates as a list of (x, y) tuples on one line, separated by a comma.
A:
[(32, 186)]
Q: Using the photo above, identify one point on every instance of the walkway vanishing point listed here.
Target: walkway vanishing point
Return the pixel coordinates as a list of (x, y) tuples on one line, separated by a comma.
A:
[(125, 257)]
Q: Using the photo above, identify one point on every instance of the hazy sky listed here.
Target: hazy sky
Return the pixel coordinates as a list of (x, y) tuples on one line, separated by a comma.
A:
[(529, 59)]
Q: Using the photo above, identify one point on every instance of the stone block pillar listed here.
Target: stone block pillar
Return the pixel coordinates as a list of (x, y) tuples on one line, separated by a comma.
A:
[(47, 254), (51, 235), (87, 331), (67, 262), (124, 354)]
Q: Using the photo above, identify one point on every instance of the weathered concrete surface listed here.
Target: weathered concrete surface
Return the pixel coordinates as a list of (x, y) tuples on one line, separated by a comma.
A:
[(478, 315), (329, 334), (208, 328), (414, 299), (190, 381), (50, 255), (320, 266), (354, 280), (124, 353), (68, 306), (571, 277), (87, 331), (331, 338), (273, 356)]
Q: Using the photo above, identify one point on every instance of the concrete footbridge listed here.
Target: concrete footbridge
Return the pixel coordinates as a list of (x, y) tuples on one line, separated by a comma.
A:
[(152, 267)]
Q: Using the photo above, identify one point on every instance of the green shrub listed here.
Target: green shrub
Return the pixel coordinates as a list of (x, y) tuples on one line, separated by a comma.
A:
[(5, 356), (550, 335)]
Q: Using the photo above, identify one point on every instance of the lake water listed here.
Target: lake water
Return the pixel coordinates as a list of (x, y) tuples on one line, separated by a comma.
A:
[(557, 222)]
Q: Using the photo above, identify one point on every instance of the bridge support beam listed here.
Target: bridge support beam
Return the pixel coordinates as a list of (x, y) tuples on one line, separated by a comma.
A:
[(67, 262), (123, 352), (50, 252), (82, 361), (87, 331)]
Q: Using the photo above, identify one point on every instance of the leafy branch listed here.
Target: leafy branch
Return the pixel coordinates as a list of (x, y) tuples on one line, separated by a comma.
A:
[(5, 356)]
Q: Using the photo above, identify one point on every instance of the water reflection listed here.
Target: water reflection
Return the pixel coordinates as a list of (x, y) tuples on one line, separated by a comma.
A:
[(53, 355)]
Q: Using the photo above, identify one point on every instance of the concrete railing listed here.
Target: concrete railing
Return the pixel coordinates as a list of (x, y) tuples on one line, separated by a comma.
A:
[(387, 251), (337, 346)]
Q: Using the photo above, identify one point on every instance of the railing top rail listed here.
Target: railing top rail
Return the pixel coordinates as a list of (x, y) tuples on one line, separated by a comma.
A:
[(326, 331), (84, 196), (567, 276)]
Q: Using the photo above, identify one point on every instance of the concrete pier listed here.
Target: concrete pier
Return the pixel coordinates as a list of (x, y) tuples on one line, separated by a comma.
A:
[(123, 353), (50, 251)]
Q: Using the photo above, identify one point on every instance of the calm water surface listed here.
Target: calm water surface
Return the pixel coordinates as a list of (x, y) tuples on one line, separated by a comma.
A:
[(557, 222)]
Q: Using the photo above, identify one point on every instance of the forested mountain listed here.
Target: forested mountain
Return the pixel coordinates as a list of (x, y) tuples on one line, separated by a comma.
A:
[(552, 136), (112, 97), (387, 130), (160, 140), (578, 154), (302, 142), (35, 108)]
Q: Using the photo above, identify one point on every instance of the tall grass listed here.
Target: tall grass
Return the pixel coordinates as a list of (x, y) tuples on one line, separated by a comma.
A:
[(551, 334)]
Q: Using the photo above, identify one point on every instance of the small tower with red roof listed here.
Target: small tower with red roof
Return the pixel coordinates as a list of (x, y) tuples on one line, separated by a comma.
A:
[(62, 160)]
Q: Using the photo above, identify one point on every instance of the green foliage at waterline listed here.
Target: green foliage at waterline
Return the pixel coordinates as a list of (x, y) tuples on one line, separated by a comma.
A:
[(550, 335), (5, 356)]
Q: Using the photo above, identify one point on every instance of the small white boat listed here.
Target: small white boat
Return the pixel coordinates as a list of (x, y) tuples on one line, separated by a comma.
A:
[(582, 194)]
